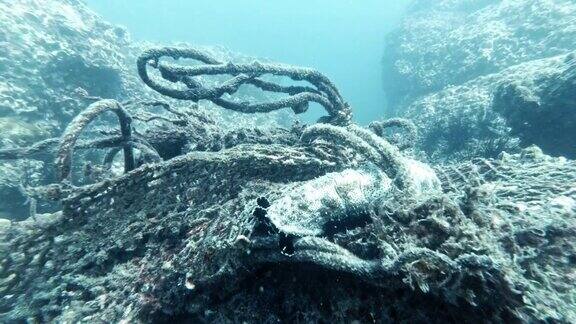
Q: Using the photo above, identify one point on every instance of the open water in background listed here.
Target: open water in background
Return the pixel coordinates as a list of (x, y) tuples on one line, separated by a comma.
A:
[(343, 39)]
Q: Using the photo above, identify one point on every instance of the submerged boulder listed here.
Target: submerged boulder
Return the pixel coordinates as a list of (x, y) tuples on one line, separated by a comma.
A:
[(449, 42), (522, 105), (54, 55), (481, 77)]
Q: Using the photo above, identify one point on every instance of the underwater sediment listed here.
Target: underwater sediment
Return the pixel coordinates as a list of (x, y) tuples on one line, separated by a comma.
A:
[(154, 209)]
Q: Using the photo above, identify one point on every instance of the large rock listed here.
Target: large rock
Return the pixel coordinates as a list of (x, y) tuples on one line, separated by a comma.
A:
[(57, 57), (481, 77), (540, 108), (50, 49), (530, 103), (53, 54), (449, 42), (203, 238)]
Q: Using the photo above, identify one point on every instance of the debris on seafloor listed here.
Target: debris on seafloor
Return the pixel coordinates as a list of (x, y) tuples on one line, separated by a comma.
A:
[(330, 221)]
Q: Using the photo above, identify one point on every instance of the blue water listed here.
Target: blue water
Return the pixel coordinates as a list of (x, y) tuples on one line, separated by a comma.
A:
[(343, 39)]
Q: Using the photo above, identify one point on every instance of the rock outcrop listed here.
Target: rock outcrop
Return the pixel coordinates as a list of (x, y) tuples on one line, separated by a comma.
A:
[(485, 76)]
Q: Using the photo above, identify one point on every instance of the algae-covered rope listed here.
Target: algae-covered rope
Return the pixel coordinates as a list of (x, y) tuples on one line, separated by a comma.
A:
[(323, 91), (75, 128)]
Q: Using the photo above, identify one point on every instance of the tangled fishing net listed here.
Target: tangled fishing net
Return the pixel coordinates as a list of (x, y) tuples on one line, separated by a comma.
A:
[(328, 222)]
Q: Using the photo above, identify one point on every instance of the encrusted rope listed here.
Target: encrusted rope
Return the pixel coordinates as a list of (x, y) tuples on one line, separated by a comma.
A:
[(323, 91), (75, 128)]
